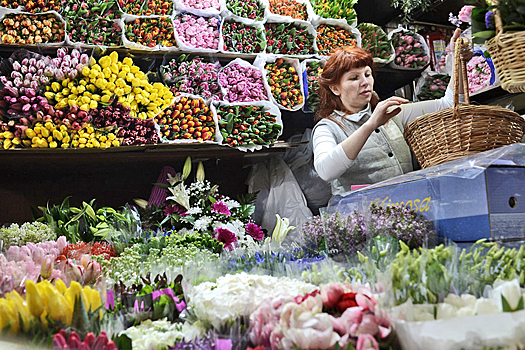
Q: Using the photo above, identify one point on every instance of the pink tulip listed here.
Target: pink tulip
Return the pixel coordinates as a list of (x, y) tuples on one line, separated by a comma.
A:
[(332, 294), (366, 342)]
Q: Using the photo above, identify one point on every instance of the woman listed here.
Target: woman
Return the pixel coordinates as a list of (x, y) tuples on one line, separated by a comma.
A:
[(353, 141)]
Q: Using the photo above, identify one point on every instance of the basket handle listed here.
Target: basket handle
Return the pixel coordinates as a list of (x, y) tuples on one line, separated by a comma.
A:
[(458, 62)]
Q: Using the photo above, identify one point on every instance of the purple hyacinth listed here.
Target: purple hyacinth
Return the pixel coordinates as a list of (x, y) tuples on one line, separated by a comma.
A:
[(489, 19)]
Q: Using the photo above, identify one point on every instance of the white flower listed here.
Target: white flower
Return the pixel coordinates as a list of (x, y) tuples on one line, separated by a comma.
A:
[(202, 223), (194, 210), (510, 290), (445, 311), (231, 204), (154, 334)]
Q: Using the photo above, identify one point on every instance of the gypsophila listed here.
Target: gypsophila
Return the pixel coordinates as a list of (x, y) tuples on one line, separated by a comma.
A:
[(34, 232)]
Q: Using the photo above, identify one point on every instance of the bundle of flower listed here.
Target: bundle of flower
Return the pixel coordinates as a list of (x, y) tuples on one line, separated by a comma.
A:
[(151, 32), (101, 32), (336, 9), (147, 7), (242, 83), (479, 73), (187, 119), (330, 38), (252, 9), (64, 341), (339, 315), (242, 38), (375, 41), (93, 10), (197, 32), (336, 233), (292, 38), (290, 8), (64, 307), (410, 50), (234, 296), (284, 83), (434, 87), (202, 4), (314, 69), (242, 125), (41, 5), (25, 29), (192, 75), (19, 235)]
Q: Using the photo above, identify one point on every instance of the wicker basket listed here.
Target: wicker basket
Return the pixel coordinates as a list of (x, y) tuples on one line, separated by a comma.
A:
[(462, 130), (507, 51)]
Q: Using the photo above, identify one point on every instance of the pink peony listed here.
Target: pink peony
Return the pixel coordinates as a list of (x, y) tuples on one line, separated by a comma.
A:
[(366, 342)]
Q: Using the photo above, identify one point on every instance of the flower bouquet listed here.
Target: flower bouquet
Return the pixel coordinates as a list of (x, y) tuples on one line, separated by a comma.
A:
[(376, 42), (92, 10), (27, 29), (332, 34), (431, 86), (197, 33), (311, 69), (295, 38), (285, 82), (40, 6), (147, 7), (242, 82), (189, 118), (249, 125), (149, 32), (101, 33), (336, 9), (199, 7), (239, 37), (296, 9), (480, 73), (252, 10), (411, 50), (192, 75)]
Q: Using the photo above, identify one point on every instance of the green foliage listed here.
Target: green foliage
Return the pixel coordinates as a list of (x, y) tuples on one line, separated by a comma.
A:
[(409, 6)]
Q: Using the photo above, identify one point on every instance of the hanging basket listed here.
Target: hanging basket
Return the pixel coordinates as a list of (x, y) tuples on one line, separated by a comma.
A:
[(507, 51), (462, 130)]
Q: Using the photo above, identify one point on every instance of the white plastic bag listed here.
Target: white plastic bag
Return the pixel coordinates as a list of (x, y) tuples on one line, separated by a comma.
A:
[(279, 194), (268, 106), (294, 63), (258, 25), (286, 20), (301, 161), (257, 65), (379, 61), (341, 23), (133, 45), (185, 46), (419, 38), (273, 16)]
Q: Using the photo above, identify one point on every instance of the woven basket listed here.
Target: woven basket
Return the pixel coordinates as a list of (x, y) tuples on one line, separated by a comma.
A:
[(507, 51), (462, 130)]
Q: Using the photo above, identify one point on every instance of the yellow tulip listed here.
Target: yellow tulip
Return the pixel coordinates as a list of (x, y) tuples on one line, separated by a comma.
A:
[(34, 299), (20, 308), (8, 316), (59, 308)]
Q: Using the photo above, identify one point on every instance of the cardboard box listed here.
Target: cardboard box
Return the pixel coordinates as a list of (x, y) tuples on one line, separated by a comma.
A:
[(481, 196)]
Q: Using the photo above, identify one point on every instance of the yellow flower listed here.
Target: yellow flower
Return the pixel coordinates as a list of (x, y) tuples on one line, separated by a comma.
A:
[(8, 316), (34, 299), (61, 286), (95, 301), (59, 308), (20, 308)]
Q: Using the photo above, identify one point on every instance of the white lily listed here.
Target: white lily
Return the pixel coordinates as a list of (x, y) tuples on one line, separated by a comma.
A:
[(180, 195), (282, 227)]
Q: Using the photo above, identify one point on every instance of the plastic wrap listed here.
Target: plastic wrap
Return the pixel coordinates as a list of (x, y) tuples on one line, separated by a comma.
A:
[(257, 65), (294, 63), (133, 45), (379, 61), (341, 23), (419, 38), (214, 114), (228, 13), (296, 23), (268, 106), (184, 45), (273, 16), (306, 86), (424, 81), (32, 15), (142, 11), (210, 11), (258, 25)]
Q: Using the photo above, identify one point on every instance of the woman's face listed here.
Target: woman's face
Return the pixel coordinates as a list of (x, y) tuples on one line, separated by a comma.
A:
[(355, 88)]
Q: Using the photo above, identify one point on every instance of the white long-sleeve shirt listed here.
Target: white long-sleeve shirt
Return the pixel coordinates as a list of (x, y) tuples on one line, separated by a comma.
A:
[(331, 162)]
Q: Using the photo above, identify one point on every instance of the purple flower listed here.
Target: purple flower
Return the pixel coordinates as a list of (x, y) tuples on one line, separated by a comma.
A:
[(227, 238), (173, 209), (254, 231), (221, 208), (489, 19)]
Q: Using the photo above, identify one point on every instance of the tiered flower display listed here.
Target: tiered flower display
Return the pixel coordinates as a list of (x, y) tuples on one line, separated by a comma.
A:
[(151, 32), (330, 38), (289, 38), (198, 32)]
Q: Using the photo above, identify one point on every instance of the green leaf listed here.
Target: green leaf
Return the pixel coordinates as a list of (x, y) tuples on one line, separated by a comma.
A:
[(186, 170), (65, 203), (123, 342), (246, 210), (212, 200), (505, 304), (200, 172), (520, 304), (80, 316)]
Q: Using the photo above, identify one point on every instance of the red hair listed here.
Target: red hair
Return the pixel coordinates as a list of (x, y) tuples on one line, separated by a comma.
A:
[(341, 61)]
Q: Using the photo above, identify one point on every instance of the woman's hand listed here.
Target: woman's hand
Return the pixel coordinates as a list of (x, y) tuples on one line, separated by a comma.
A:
[(384, 111), (466, 50)]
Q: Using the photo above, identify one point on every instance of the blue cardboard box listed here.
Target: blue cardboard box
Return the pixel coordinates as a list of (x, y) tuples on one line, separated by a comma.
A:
[(480, 196)]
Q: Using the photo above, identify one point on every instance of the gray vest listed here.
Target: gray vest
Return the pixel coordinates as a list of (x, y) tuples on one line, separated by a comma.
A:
[(384, 155)]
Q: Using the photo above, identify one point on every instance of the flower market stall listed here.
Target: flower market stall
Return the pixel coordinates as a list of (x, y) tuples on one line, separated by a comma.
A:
[(222, 251)]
